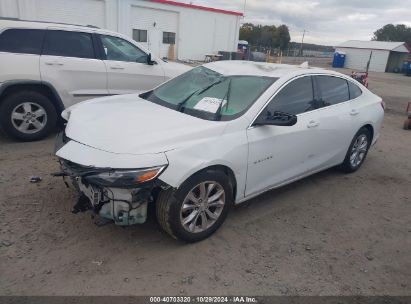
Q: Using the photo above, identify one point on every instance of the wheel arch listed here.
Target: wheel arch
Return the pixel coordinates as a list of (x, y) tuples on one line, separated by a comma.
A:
[(370, 128), (42, 87), (216, 167), (227, 171)]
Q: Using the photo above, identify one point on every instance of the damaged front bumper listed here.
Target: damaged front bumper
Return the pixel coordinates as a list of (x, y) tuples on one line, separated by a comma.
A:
[(123, 204)]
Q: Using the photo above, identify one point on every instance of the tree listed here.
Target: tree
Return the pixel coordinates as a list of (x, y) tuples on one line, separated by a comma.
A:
[(390, 32), (246, 32), (268, 36), (283, 36)]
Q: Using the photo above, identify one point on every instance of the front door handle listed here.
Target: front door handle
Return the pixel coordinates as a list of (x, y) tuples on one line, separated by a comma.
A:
[(54, 63), (116, 68), (354, 112), (313, 124)]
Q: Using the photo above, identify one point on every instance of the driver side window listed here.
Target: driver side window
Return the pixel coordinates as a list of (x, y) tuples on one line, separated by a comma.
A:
[(118, 49), (295, 98)]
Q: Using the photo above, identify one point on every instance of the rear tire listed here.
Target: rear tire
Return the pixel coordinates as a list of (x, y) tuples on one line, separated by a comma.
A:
[(357, 151), (27, 115), (207, 212), (407, 124)]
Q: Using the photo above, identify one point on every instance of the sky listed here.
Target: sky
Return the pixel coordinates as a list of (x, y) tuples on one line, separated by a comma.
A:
[(327, 22)]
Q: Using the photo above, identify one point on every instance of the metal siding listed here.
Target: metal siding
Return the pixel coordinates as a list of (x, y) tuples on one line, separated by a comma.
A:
[(90, 12), (206, 32), (9, 8), (357, 59), (198, 32), (143, 18)]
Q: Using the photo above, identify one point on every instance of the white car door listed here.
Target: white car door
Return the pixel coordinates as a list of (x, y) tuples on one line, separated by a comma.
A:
[(127, 67), (280, 154), (69, 63), (336, 118)]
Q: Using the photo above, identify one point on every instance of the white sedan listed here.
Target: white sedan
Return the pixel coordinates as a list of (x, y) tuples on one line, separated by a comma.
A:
[(213, 137)]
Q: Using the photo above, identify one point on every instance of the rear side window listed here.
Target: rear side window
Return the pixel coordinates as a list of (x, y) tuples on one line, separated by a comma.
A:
[(22, 41), (333, 90), (295, 98), (355, 91), (68, 44)]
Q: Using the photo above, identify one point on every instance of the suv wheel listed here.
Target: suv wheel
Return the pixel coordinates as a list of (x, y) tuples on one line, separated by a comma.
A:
[(27, 115), (357, 151), (198, 208)]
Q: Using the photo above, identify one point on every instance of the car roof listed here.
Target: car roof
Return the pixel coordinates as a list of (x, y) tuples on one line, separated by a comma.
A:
[(250, 68)]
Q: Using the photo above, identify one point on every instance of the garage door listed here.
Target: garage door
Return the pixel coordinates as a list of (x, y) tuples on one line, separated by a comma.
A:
[(159, 24), (357, 59), (84, 12)]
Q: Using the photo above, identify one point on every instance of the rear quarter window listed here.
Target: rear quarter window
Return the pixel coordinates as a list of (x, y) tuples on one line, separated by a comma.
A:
[(22, 41), (355, 91)]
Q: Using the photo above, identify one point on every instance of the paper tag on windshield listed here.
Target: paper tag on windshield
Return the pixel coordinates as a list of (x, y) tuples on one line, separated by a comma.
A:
[(209, 104)]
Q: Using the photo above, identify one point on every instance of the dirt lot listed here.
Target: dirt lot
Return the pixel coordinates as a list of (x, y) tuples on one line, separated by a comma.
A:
[(329, 234)]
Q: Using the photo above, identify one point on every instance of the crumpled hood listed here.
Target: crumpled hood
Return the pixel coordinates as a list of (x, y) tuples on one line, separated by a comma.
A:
[(132, 125)]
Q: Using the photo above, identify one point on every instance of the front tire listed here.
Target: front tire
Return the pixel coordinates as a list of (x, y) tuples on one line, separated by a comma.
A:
[(27, 115), (357, 152), (198, 208)]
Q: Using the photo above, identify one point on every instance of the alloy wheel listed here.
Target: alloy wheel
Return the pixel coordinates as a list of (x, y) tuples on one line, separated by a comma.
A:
[(202, 206), (29, 117), (359, 150)]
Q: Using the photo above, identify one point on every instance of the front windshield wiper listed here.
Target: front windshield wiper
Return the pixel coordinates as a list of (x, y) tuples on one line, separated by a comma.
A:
[(180, 106), (226, 97)]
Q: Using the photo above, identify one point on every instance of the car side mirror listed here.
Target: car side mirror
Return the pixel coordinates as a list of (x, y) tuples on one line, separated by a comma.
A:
[(275, 119), (149, 60)]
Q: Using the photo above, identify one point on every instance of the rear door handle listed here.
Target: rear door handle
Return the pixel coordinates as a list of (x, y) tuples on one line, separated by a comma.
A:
[(313, 124), (354, 112)]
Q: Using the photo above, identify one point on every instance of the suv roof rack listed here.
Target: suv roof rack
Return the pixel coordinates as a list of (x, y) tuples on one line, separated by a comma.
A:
[(37, 21)]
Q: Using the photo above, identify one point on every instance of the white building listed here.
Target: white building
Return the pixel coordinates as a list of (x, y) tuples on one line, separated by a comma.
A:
[(386, 56), (164, 27)]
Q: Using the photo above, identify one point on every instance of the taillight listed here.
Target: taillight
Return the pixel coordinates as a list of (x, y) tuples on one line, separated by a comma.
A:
[(383, 105)]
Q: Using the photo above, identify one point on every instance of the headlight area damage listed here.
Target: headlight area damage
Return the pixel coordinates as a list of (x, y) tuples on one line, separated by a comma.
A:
[(116, 195)]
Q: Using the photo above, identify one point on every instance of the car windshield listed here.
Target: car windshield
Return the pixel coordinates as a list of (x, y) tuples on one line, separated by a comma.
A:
[(206, 94)]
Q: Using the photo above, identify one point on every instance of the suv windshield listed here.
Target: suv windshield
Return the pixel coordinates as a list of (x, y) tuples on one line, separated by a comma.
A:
[(207, 94)]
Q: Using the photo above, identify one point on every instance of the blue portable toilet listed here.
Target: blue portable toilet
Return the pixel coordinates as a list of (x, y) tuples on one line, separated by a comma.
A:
[(406, 67), (339, 60)]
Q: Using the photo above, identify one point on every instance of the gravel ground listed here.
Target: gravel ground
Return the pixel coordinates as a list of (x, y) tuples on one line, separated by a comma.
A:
[(329, 234)]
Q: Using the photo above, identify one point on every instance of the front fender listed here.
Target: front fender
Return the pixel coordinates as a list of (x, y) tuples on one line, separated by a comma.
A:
[(229, 150)]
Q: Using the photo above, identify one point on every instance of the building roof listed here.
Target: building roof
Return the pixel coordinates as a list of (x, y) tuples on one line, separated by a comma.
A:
[(376, 45), (204, 8)]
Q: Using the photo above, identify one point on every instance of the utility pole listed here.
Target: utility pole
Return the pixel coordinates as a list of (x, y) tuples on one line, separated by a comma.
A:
[(302, 42), (245, 4)]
